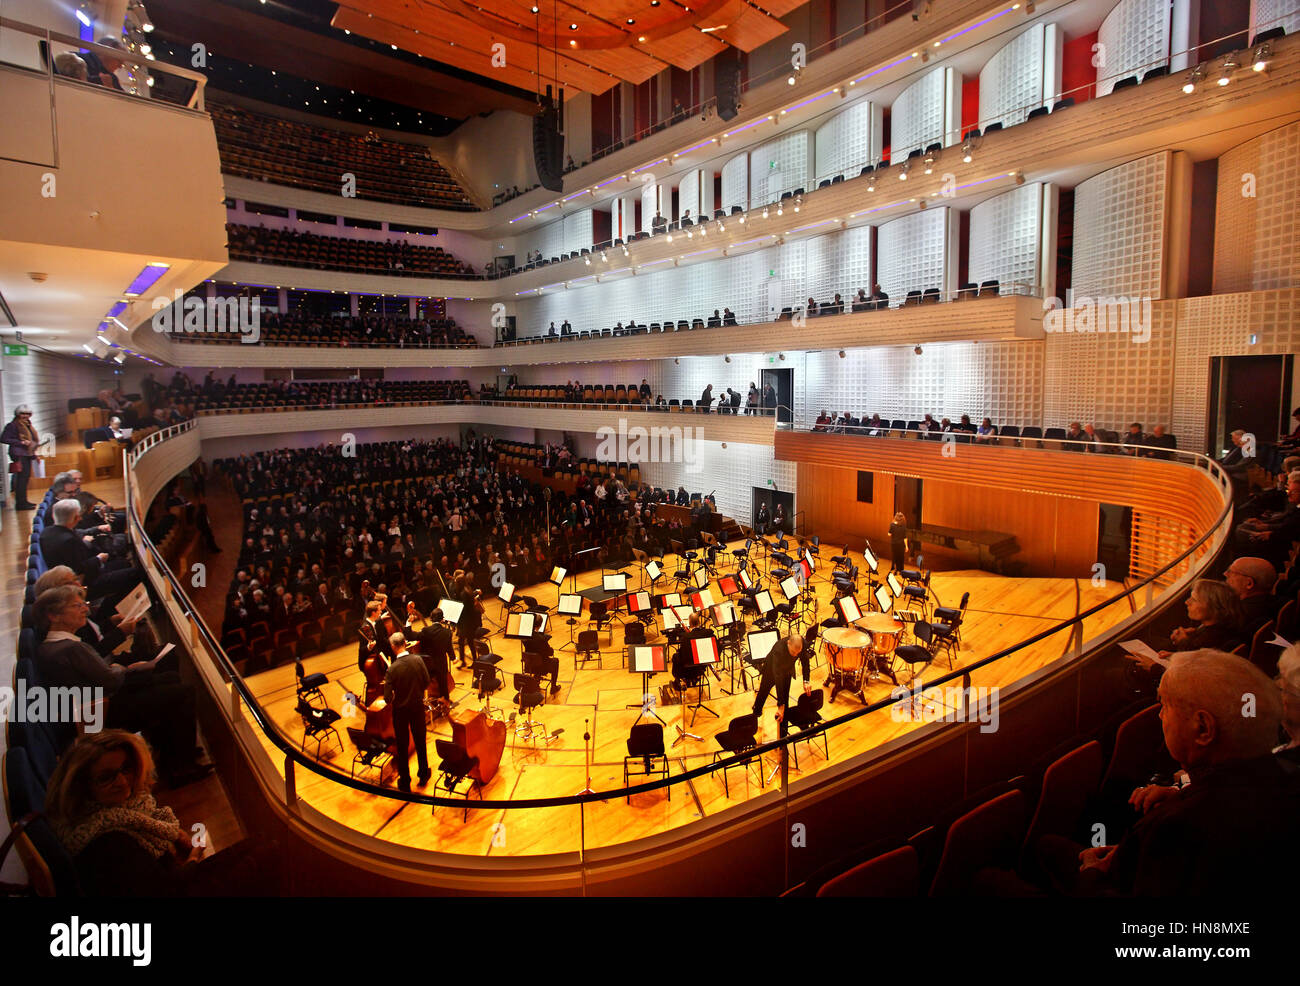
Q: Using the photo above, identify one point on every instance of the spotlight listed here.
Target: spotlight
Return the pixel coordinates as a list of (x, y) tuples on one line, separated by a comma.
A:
[(841, 354), (797, 203), (1226, 70), (967, 152), (670, 237), (742, 219), (1194, 76), (781, 356), (764, 212), (917, 350), (929, 163), (871, 184), (726, 359), (902, 172), (780, 211), (791, 80), (588, 261), (1262, 54), (606, 259)]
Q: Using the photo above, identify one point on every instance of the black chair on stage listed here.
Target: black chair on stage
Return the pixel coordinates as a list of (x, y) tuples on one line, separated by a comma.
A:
[(372, 752), (841, 560), (634, 634), (317, 724), (739, 736), (947, 624), (845, 582), (309, 684), (484, 678), (531, 696), (920, 653), (455, 768), (600, 617), (917, 588), (742, 554), (646, 744), (804, 717), (588, 648)]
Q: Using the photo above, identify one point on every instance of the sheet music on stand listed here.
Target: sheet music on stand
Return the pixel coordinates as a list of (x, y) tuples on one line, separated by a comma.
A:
[(452, 609), (614, 583), (570, 604), (648, 658), (761, 643), (849, 609), (895, 583), (884, 600)]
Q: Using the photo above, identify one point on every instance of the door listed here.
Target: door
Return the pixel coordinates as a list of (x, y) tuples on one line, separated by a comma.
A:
[(1114, 528), (782, 382), (1252, 393), (770, 496)]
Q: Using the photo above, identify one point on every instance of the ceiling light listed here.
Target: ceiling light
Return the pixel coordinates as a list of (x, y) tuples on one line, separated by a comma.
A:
[(929, 163), (764, 212), (1226, 70), (791, 80), (966, 152), (631, 20), (588, 261), (670, 237), (780, 211), (573, 27), (534, 10), (1262, 54), (871, 184), (742, 218), (641, 39)]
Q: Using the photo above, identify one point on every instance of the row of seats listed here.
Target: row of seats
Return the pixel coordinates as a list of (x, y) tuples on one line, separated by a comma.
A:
[(266, 245), (307, 329), (268, 148), (249, 398)]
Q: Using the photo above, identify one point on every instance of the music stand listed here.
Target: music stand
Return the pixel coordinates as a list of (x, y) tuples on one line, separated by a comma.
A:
[(652, 570), (452, 609), (728, 585), (570, 604), (704, 653), (850, 611), (884, 601), (646, 660), (873, 566)]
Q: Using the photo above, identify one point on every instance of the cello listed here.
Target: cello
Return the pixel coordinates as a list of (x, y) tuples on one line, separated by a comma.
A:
[(379, 717)]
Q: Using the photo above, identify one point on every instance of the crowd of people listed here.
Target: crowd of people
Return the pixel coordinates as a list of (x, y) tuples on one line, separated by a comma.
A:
[(448, 514)]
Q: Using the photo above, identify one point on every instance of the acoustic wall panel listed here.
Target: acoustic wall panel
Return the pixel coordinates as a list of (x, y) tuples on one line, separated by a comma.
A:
[(914, 253), (778, 166), (1016, 79), (564, 235), (1257, 217), (847, 141), (1119, 225), (924, 113), (1006, 234), (688, 195), (1135, 39), (735, 183), (1266, 14), (730, 471)]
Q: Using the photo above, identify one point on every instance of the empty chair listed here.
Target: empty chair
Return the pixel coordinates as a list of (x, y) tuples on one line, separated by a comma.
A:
[(891, 874), (739, 736), (968, 290), (805, 717), (317, 724), (989, 287), (929, 295), (837, 179), (1063, 104), (824, 183), (645, 743), (1068, 784), (918, 656), (993, 127), (1269, 35), (1125, 83), (1036, 112), (455, 769), (987, 836), (1155, 73), (971, 134)]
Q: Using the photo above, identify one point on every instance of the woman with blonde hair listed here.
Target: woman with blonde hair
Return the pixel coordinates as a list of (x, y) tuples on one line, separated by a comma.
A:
[(898, 542), (124, 844)]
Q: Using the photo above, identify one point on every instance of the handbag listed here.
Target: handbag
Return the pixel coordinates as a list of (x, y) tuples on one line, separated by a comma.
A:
[(15, 466)]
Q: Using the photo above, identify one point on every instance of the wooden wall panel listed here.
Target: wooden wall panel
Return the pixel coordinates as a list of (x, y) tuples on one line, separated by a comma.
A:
[(829, 499)]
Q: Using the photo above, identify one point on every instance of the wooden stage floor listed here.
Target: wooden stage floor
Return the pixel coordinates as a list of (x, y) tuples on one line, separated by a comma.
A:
[(1002, 612)]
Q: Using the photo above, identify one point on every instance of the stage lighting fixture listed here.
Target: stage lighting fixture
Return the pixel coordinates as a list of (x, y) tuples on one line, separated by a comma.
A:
[(967, 152), (1262, 54), (1226, 70), (1194, 76), (841, 354), (917, 350)]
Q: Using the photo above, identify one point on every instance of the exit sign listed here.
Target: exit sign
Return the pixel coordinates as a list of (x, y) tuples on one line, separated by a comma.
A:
[(15, 349)]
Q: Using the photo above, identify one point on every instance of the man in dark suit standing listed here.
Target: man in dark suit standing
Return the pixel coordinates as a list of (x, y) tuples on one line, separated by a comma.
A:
[(404, 687), (778, 673), (436, 651)]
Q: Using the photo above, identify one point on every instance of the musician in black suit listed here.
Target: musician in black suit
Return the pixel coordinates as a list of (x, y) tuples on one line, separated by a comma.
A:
[(471, 620), (778, 673), (404, 688), (436, 650), (374, 637)]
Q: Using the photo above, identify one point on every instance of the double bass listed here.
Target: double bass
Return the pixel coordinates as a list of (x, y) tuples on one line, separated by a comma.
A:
[(379, 717), (481, 736)]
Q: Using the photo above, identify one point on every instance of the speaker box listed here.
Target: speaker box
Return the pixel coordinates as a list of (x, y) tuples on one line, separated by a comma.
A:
[(726, 85), (548, 149)]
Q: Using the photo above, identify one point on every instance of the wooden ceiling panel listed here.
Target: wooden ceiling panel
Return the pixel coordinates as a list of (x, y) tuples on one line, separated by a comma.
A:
[(468, 46), (686, 49), (777, 8), (746, 28)]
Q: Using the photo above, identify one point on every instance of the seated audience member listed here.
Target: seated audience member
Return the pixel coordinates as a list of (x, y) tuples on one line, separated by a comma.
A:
[(100, 68), (1291, 442), (142, 696), (824, 422), (837, 306), (1134, 439), (63, 544), (1288, 683), (1252, 580), (879, 297), (728, 317), (1232, 829), (929, 424), (1076, 439), (124, 844), (1236, 460), (1158, 444), (715, 320), (105, 632), (71, 65), (1270, 535), (986, 432), (1216, 618), (875, 426), (861, 302), (966, 425), (811, 308)]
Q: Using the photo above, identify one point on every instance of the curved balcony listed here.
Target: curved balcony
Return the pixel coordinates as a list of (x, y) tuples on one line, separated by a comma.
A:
[(1054, 672)]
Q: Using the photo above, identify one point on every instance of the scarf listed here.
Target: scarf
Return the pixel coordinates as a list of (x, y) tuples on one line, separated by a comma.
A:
[(154, 826)]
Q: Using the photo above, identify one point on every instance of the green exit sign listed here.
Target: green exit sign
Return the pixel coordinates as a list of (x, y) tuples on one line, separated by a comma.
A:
[(15, 349)]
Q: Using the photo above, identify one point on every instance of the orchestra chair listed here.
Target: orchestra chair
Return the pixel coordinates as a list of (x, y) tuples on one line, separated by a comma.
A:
[(811, 636), (454, 768), (697, 677), (947, 635), (372, 752), (918, 591), (841, 560), (317, 724), (891, 874), (309, 684), (601, 618), (645, 743), (588, 648), (531, 696), (634, 634), (804, 716), (989, 835), (485, 680), (739, 736), (920, 653), (741, 555)]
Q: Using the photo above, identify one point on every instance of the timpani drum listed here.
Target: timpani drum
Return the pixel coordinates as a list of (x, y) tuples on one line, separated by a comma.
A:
[(885, 631), (848, 649)]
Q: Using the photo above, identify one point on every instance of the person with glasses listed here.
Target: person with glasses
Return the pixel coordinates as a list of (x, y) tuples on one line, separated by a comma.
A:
[(100, 803), (23, 441)]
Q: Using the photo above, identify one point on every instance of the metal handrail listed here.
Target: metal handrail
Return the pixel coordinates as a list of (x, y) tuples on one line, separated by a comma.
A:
[(293, 755)]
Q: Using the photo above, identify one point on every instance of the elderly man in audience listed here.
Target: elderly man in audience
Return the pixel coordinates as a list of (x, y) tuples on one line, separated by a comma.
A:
[(1158, 444), (1232, 828), (142, 696), (1134, 439), (63, 544), (1252, 580), (1270, 535), (71, 65)]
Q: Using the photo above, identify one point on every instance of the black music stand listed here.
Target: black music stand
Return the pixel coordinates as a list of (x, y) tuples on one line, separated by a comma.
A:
[(646, 660), (704, 656), (575, 617)]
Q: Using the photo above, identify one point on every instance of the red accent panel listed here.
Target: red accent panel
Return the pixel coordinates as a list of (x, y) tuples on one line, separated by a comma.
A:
[(1077, 71), (970, 103)]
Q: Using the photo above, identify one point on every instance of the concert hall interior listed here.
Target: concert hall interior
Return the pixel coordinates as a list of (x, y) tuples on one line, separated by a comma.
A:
[(367, 534)]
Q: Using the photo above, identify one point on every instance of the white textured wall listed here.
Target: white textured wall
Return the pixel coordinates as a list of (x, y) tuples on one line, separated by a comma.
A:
[(1265, 14), (1119, 228), (1006, 234), (732, 471), (1136, 38), (1016, 79), (1257, 235), (779, 165), (565, 235), (848, 140), (914, 253), (919, 115), (735, 183)]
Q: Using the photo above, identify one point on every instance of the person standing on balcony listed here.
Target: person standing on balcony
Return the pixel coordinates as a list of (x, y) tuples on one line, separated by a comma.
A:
[(23, 441)]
